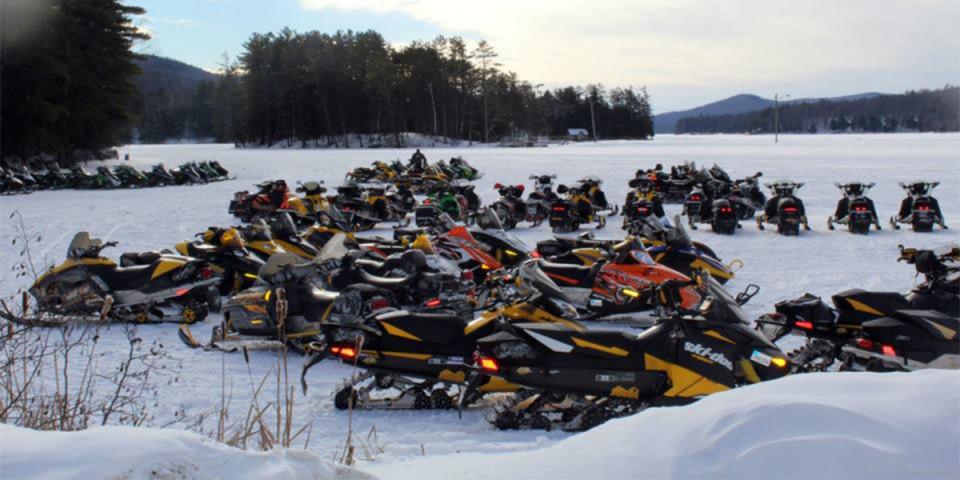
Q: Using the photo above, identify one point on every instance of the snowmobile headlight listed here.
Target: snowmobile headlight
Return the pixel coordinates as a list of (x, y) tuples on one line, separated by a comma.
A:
[(250, 276), (779, 361), (510, 253), (629, 292), (266, 296)]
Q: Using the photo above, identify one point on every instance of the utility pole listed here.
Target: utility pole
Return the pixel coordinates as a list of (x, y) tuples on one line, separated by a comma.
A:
[(593, 122), (776, 119)]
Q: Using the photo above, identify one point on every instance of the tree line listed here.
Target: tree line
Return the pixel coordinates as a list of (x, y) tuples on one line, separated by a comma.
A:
[(320, 88), (68, 76), (913, 111)]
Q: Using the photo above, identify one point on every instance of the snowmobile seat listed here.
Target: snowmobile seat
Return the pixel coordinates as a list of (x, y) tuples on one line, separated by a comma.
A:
[(129, 278), (200, 249), (323, 296), (384, 282), (130, 259), (568, 274)]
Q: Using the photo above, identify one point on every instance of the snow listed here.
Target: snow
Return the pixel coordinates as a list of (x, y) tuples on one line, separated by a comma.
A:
[(127, 452), (838, 425), (820, 262)]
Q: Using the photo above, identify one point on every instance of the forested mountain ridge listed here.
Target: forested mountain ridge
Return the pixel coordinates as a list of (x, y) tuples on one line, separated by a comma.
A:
[(913, 111), (742, 103), (174, 100)]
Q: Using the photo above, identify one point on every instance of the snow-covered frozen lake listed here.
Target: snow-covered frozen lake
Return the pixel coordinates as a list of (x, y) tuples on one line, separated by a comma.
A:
[(820, 262)]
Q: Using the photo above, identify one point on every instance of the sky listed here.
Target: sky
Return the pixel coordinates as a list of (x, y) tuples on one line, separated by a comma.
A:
[(687, 53)]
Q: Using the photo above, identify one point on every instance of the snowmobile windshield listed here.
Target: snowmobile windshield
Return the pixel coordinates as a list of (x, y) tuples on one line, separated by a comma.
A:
[(719, 173), (487, 219), (279, 263), (531, 273), (335, 248), (311, 188), (259, 230), (678, 234), (285, 225), (82, 245), (439, 264)]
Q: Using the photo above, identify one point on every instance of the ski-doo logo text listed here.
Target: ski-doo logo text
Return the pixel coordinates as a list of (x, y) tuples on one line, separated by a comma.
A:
[(708, 353)]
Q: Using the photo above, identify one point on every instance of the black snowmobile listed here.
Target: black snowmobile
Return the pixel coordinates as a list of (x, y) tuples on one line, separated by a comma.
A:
[(920, 209), (509, 250), (109, 180), (642, 202), (130, 177), (784, 209), (154, 288), (159, 176), (908, 331), (510, 207), (855, 209), (285, 307), (579, 379), (575, 209), (423, 355), (747, 196)]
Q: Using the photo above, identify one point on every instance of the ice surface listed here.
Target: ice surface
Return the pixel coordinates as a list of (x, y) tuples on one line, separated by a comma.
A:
[(820, 262)]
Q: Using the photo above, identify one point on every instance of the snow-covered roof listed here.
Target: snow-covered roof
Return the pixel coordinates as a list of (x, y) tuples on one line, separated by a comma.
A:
[(576, 131)]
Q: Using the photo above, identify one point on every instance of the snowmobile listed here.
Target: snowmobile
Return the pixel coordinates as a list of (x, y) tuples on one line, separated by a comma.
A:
[(159, 176), (109, 179), (590, 186), (463, 170), (185, 174), (361, 212), (129, 177), (855, 210), (85, 180), (224, 250), (159, 288), (10, 184), (579, 379), (200, 174), (540, 199), (860, 320), (242, 205), (672, 246), (676, 188), (209, 172), (53, 177), (642, 202), (423, 355), (621, 280), (510, 208), (259, 240), (920, 209), (567, 214), (23, 174), (214, 165), (311, 204), (284, 233), (506, 248), (784, 209), (284, 308), (747, 197)]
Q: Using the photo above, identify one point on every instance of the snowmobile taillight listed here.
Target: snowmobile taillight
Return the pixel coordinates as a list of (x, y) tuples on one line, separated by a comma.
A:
[(466, 275), (725, 209), (206, 273), (923, 208), (181, 291), (347, 353), (536, 254), (888, 350), (488, 364), (426, 201), (559, 209), (790, 209), (379, 303), (433, 303), (805, 325), (695, 198), (860, 209), (865, 344)]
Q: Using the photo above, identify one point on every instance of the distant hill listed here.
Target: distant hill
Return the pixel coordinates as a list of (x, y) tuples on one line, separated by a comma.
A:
[(743, 103), (170, 106), (912, 111)]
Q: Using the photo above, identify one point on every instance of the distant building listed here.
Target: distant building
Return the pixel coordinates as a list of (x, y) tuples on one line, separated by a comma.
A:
[(577, 134)]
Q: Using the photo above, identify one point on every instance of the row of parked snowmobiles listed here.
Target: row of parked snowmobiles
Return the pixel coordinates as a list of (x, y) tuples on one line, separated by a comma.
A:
[(716, 199), (20, 178)]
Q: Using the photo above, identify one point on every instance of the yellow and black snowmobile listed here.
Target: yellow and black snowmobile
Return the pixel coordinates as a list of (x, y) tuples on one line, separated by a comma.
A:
[(156, 288), (312, 204), (259, 239), (284, 233), (424, 354), (224, 250), (579, 379)]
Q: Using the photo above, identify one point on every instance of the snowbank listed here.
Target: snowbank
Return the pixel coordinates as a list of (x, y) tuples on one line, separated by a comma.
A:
[(125, 452), (843, 425)]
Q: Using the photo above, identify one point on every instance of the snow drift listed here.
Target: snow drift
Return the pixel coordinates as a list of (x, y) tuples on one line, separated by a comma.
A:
[(834, 425), (126, 452)]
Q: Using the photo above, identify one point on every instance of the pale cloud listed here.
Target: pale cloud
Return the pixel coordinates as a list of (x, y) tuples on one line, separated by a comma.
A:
[(740, 44)]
